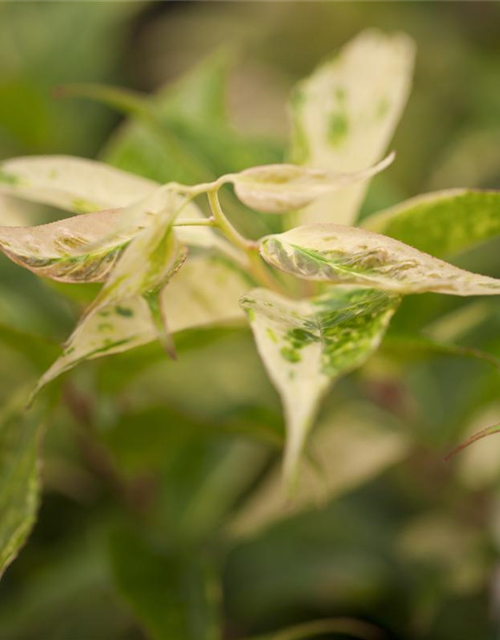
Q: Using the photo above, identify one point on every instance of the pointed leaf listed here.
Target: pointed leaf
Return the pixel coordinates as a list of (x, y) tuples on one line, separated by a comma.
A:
[(72, 184), (278, 188), (344, 115), (206, 291), (107, 330), (146, 264), (347, 255), (441, 223), (306, 344)]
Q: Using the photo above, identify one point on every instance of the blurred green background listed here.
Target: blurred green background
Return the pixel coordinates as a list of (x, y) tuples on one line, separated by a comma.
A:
[(162, 516)]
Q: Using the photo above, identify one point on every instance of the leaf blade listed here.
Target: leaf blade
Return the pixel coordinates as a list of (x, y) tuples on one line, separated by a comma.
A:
[(306, 344), (441, 223), (282, 188), (70, 183), (348, 255), (344, 115)]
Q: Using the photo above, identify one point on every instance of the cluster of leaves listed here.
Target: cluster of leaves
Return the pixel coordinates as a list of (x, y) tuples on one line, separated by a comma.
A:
[(326, 289)]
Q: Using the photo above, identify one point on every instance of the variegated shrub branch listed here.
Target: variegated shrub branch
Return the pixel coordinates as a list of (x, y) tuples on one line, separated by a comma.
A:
[(166, 266)]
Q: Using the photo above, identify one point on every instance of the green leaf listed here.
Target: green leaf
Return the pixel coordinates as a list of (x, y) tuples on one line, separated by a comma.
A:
[(72, 184), (280, 188), (19, 478), (175, 137), (182, 133), (200, 95), (306, 344), (172, 593), (345, 114), (441, 223), (347, 255), (404, 346)]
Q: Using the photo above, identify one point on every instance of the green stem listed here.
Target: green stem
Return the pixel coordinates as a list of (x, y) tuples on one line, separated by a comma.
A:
[(232, 234), (195, 222), (251, 249)]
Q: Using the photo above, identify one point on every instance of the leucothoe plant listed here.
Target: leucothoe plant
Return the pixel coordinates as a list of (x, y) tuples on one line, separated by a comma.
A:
[(318, 296)]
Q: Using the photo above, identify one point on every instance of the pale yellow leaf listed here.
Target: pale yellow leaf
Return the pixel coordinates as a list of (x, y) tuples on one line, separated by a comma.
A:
[(344, 115)]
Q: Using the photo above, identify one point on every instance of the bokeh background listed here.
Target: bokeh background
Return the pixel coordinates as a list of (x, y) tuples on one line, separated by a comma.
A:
[(161, 514)]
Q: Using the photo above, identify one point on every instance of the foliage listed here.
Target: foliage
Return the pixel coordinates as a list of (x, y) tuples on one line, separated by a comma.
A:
[(190, 234)]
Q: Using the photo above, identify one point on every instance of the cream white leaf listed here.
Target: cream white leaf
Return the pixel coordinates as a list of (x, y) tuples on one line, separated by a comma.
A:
[(72, 184), (306, 344), (279, 188), (344, 115), (205, 292), (347, 255)]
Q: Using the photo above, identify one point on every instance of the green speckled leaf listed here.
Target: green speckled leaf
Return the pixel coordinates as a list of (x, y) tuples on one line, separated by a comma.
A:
[(106, 330), (19, 479), (347, 255), (278, 188), (72, 184), (441, 223), (144, 269), (344, 115), (306, 344)]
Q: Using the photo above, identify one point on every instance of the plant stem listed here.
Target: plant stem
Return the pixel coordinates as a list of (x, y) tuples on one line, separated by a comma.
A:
[(195, 222), (232, 234), (249, 247)]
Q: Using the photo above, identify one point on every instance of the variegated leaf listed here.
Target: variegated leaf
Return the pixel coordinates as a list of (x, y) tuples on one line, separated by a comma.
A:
[(306, 344), (347, 255), (279, 188), (55, 250), (146, 266), (106, 330), (441, 223), (85, 248), (344, 115), (205, 292), (72, 184)]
